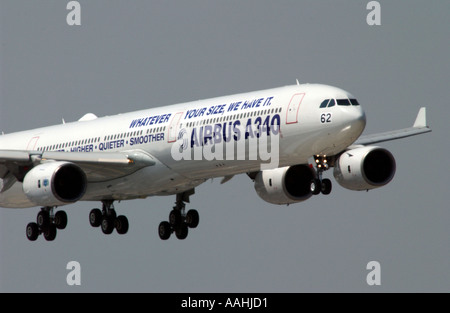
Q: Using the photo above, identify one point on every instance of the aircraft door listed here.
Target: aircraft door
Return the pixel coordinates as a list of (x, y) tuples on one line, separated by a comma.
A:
[(294, 108), (173, 127), (32, 143)]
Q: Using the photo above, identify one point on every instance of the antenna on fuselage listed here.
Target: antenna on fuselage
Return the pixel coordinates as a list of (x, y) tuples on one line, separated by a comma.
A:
[(298, 84)]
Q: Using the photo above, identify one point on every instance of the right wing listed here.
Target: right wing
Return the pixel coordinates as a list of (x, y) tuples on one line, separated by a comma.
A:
[(420, 127)]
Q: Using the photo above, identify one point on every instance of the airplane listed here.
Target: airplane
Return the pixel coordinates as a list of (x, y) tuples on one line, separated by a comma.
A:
[(170, 150)]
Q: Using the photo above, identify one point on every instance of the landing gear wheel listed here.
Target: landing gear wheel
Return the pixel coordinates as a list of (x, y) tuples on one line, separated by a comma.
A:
[(47, 223), (121, 224), (60, 220), (107, 225), (179, 221), (164, 230), (32, 231), (175, 218), (315, 186), (326, 186), (43, 219), (50, 232), (192, 218), (108, 220), (182, 231), (319, 185), (95, 217)]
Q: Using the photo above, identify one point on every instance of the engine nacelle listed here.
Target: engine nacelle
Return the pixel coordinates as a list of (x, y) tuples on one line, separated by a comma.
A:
[(285, 185), (364, 168), (54, 183)]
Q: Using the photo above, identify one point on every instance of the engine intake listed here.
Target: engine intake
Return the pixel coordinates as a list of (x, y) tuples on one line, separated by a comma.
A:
[(285, 185), (55, 183), (365, 168)]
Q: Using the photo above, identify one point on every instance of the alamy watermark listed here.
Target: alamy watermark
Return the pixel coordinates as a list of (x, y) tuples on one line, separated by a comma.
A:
[(74, 16), (73, 278), (231, 141), (374, 16), (373, 278)]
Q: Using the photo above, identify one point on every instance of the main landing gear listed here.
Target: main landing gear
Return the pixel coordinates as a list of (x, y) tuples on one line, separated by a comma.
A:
[(179, 221), (108, 220), (319, 184), (47, 222)]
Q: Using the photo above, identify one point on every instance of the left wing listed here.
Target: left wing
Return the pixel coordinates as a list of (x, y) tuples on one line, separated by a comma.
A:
[(103, 166), (14, 164), (420, 127)]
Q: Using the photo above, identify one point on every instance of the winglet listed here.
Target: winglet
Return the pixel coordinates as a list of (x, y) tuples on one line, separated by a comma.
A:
[(421, 119)]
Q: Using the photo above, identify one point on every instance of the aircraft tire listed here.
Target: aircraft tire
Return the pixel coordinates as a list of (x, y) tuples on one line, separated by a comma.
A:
[(61, 219), (326, 186), (107, 225), (182, 231), (175, 218), (192, 218), (95, 217), (43, 220), (50, 232), (315, 186), (32, 231), (121, 224), (164, 230)]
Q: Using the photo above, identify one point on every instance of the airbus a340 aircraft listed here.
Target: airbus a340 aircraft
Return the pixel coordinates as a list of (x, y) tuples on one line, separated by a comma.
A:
[(282, 138)]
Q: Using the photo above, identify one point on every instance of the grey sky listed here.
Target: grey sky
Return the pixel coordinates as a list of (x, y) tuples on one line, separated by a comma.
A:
[(141, 54)]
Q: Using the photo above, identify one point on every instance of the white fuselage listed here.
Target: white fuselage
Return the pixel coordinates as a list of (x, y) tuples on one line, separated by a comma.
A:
[(305, 129)]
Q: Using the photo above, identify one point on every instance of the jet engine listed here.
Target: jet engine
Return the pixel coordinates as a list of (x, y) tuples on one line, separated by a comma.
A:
[(54, 183), (364, 168), (285, 185)]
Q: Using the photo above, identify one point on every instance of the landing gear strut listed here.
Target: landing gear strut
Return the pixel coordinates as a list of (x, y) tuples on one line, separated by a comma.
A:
[(179, 221), (108, 219), (47, 222), (319, 184)]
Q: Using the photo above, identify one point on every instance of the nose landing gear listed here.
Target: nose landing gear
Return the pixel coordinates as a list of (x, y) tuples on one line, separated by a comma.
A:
[(319, 184)]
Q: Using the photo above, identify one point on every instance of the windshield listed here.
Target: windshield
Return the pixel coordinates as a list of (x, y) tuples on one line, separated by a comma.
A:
[(327, 103)]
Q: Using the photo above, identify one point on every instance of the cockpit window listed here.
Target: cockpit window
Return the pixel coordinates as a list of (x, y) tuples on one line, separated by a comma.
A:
[(328, 103), (354, 102), (324, 103), (344, 102)]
